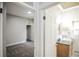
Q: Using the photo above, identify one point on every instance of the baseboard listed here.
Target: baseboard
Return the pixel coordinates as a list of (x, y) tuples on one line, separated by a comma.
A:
[(15, 43)]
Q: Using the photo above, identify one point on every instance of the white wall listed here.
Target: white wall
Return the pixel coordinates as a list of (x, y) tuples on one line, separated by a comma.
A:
[(50, 31), (16, 29)]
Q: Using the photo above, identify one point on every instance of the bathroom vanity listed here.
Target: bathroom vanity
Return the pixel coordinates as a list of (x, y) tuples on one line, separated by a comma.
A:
[(64, 48)]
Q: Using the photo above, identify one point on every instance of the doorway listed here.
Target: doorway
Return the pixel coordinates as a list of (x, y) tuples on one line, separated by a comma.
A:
[(16, 30), (28, 29), (59, 29)]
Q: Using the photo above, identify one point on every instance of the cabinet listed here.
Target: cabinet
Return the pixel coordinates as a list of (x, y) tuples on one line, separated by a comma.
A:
[(63, 50)]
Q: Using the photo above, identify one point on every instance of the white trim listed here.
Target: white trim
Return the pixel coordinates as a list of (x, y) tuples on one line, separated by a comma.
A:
[(15, 43), (1, 39), (60, 7), (1, 31)]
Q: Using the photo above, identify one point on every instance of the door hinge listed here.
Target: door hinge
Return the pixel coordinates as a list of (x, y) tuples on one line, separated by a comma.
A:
[(44, 17), (1, 10)]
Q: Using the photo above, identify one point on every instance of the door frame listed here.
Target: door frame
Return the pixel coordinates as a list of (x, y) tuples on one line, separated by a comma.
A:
[(39, 31)]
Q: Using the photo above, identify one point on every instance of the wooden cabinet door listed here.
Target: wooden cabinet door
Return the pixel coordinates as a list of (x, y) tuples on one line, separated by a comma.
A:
[(62, 50)]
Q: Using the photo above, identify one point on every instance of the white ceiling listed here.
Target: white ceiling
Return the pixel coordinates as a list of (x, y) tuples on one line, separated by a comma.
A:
[(21, 10), (29, 3), (44, 5)]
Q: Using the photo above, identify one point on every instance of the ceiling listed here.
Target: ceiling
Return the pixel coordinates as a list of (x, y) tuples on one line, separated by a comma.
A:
[(29, 3), (66, 5), (21, 9), (44, 5)]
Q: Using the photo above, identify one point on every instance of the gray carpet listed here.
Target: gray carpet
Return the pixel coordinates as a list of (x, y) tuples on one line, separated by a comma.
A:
[(21, 50)]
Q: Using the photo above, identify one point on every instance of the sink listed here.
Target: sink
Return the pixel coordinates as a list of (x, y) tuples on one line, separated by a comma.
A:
[(66, 41)]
